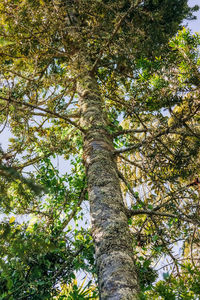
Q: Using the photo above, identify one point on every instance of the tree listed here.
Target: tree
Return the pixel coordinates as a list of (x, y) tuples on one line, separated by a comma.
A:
[(82, 68)]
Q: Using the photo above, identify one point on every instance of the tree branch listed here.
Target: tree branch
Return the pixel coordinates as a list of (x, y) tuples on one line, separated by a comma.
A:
[(74, 211), (129, 187), (133, 5), (54, 114), (115, 134), (131, 212)]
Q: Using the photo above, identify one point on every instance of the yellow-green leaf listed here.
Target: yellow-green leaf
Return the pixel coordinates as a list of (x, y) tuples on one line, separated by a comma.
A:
[(12, 220)]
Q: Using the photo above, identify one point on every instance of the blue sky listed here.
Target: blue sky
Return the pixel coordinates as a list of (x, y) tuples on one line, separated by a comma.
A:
[(195, 24)]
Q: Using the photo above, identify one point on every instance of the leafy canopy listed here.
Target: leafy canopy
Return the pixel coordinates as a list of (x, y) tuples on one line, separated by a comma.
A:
[(149, 91)]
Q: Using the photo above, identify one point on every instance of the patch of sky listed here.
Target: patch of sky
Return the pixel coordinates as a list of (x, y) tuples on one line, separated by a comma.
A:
[(194, 25)]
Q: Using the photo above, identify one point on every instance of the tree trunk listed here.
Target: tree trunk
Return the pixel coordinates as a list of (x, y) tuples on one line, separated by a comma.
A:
[(111, 235)]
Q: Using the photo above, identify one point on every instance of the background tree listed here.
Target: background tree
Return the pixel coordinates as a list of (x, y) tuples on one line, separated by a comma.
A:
[(70, 72)]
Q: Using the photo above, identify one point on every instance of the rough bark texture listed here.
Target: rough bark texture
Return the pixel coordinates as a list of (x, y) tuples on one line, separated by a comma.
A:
[(114, 254)]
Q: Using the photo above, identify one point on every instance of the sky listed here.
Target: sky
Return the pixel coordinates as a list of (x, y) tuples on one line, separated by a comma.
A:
[(195, 24)]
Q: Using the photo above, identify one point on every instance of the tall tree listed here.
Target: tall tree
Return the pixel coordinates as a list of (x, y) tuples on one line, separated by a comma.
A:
[(83, 66)]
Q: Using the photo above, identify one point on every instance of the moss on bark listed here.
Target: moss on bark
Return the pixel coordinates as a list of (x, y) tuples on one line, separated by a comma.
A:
[(112, 238)]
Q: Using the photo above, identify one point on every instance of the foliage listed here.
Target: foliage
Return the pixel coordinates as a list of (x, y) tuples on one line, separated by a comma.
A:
[(184, 287), (73, 291), (150, 94), (38, 242)]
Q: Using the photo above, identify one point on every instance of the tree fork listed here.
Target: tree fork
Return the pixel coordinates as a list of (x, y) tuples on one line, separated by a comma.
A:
[(113, 246)]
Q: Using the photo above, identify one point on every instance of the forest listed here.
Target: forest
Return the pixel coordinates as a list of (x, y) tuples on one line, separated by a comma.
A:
[(100, 172)]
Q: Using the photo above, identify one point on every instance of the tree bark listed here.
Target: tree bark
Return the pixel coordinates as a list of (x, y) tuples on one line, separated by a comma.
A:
[(113, 246)]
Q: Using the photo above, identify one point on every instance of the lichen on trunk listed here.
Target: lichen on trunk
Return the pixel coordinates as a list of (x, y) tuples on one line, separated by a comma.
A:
[(111, 235)]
